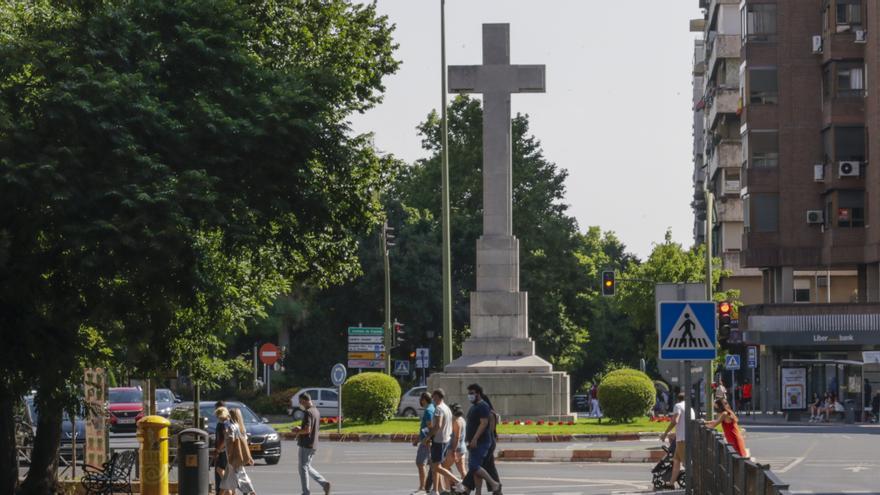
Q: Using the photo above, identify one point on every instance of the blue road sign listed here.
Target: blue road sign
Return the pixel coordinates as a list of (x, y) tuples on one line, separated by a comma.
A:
[(732, 362), (686, 330), (337, 374), (753, 357), (401, 368), (423, 358)]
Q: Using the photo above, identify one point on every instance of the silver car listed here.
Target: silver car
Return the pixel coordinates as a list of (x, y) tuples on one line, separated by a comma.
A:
[(409, 403), (325, 399)]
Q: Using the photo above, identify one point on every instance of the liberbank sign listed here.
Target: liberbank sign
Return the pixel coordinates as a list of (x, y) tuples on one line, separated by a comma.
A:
[(827, 330), (793, 338)]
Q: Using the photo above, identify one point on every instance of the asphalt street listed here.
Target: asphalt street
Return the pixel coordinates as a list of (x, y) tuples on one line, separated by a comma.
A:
[(812, 459)]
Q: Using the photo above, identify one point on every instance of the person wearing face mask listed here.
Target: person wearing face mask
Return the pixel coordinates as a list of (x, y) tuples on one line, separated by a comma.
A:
[(423, 442), (480, 440)]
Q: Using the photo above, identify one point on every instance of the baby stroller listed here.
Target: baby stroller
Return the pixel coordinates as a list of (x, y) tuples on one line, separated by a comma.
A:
[(662, 471)]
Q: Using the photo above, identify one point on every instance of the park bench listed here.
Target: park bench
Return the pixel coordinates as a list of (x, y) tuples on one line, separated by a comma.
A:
[(114, 476)]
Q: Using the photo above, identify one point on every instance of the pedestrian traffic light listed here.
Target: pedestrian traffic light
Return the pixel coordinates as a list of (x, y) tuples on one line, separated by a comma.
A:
[(724, 311), (608, 283), (387, 235), (399, 335)]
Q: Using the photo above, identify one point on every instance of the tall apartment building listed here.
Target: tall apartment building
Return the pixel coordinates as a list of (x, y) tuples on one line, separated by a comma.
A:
[(791, 108)]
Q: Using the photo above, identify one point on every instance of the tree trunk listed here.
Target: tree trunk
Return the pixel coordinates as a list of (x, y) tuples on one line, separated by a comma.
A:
[(8, 451), (44, 460)]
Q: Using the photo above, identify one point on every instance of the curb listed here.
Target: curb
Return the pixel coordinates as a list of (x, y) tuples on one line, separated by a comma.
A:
[(559, 455), (507, 438)]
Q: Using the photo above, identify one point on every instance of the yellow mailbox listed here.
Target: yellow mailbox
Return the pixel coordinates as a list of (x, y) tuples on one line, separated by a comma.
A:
[(153, 435)]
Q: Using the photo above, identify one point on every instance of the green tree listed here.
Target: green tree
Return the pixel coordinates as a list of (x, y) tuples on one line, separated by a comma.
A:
[(167, 168)]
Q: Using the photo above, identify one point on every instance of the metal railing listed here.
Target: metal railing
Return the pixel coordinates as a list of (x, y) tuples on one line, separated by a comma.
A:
[(718, 469)]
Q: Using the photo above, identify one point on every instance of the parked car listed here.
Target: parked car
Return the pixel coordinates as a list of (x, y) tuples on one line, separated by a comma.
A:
[(165, 401), (67, 427), (325, 399), (409, 403), (125, 407), (263, 441)]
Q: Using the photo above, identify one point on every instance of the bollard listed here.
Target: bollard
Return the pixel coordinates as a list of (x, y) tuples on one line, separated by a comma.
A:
[(192, 462), (152, 433)]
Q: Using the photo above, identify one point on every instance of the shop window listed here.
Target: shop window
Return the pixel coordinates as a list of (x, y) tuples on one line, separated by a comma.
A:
[(849, 144), (763, 86), (851, 209), (848, 13), (765, 212), (763, 148), (759, 22), (850, 80)]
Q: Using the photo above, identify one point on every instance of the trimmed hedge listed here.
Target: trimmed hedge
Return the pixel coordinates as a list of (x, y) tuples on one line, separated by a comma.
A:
[(370, 397), (626, 394)]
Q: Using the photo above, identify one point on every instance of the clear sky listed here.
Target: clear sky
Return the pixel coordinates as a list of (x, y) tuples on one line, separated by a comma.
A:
[(616, 114)]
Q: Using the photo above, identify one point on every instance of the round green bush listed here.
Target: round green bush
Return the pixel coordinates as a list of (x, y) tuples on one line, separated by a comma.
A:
[(626, 394), (370, 397)]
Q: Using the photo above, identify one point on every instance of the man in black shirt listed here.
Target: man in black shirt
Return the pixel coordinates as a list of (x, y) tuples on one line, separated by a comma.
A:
[(307, 438), (480, 440)]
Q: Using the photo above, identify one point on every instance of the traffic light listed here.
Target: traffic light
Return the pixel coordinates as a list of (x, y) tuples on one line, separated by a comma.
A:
[(399, 334), (387, 235), (608, 283), (724, 311)]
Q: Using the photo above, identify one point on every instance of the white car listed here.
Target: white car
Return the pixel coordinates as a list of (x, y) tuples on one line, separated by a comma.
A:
[(409, 403), (325, 399)]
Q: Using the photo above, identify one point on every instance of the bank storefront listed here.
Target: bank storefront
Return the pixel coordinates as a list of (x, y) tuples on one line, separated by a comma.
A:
[(813, 349)]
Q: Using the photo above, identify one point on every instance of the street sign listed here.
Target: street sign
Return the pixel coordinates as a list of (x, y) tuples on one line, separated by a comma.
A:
[(352, 331), (366, 355), (366, 348), (401, 368), (423, 358), (871, 357), (732, 362), (269, 353), (366, 364), (365, 339), (338, 374), (687, 330), (753, 357)]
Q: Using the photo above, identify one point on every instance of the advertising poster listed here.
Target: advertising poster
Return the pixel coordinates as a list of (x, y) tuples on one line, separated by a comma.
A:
[(794, 388), (95, 388)]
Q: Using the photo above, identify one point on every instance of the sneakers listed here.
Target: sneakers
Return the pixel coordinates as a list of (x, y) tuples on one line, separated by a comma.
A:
[(419, 492), (459, 488)]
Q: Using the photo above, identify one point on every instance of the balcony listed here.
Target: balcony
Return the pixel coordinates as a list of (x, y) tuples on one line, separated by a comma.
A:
[(724, 46), (721, 101), (726, 154), (729, 210), (811, 324)]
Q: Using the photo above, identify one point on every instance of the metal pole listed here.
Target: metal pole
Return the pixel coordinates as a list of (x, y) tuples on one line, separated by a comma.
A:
[(73, 443), (256, 367), (444, 174), (196, 393), (710, 365), (688, 451), (268, 379), (733, 389), (339, 411), (752, 401), (387, 332)]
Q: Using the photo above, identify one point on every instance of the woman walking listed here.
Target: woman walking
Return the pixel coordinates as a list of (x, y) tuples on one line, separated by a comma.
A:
[(457, 447), (730, 425), (237, 452)]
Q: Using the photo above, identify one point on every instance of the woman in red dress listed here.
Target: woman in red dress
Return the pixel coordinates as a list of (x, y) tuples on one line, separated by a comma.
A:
[(730, 425)]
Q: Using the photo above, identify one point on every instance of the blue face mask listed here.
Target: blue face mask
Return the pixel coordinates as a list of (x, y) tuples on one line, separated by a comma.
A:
[(472, 398)]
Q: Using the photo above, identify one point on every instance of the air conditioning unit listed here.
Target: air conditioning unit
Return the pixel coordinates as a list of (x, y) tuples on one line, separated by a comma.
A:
[(819, 172), (861, 36), (817, 44), (848, 169), (815, 217)]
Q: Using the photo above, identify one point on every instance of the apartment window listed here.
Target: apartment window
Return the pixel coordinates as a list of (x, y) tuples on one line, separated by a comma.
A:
[(762, 148), (763, 86), (747, 208), (850, 80), (759, 22), (765, 212), (849, 12), (851, 208), (801, 291), (849, 144), (731, 181)]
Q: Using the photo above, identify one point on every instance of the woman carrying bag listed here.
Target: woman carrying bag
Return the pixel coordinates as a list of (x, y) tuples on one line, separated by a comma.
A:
[(238, 454)]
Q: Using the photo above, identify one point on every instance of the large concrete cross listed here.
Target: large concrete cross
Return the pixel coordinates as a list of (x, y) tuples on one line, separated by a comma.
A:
[(496, 79)]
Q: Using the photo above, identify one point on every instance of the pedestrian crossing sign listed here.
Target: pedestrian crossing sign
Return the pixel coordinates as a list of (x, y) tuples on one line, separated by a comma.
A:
[(686, 330), (732, 362)]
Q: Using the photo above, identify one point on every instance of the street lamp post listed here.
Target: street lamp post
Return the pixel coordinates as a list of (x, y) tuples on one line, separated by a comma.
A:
[(444, 174)]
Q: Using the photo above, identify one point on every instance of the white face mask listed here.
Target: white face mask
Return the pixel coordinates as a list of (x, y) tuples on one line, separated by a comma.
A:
[(472, 398)]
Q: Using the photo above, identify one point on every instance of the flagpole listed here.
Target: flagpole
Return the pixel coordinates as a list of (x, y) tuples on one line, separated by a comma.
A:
[(444, 173)]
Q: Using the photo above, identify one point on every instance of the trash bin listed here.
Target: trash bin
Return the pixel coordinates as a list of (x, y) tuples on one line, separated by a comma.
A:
[(850, 414), (152, 433), (192, 462)]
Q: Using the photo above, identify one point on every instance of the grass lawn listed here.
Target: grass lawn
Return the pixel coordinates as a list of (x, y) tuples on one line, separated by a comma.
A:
[(582, 426)]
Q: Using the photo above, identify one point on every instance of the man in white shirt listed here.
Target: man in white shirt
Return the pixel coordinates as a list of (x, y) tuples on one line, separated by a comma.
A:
[(440, 435), (678, 422)]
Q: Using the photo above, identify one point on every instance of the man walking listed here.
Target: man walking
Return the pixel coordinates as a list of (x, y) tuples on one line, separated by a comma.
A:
[(678, 421), (307, 439), (423, 454), (479, 439), (439, 435)]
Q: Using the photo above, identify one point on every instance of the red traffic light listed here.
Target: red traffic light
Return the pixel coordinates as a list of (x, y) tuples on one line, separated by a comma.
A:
[(724, 308), (412, 355)]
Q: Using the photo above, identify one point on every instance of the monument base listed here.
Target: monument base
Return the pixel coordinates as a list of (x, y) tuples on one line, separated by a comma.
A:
[(515, 394)]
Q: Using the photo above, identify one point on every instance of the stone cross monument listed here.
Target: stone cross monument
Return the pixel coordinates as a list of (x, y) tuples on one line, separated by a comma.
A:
[(499, 353)]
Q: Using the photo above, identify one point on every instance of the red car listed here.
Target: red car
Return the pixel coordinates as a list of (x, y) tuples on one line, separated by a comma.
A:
[(125, 407)]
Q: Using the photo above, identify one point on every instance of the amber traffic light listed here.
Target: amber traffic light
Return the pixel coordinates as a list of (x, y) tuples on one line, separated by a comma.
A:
[(608, 283), (724, 311)]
